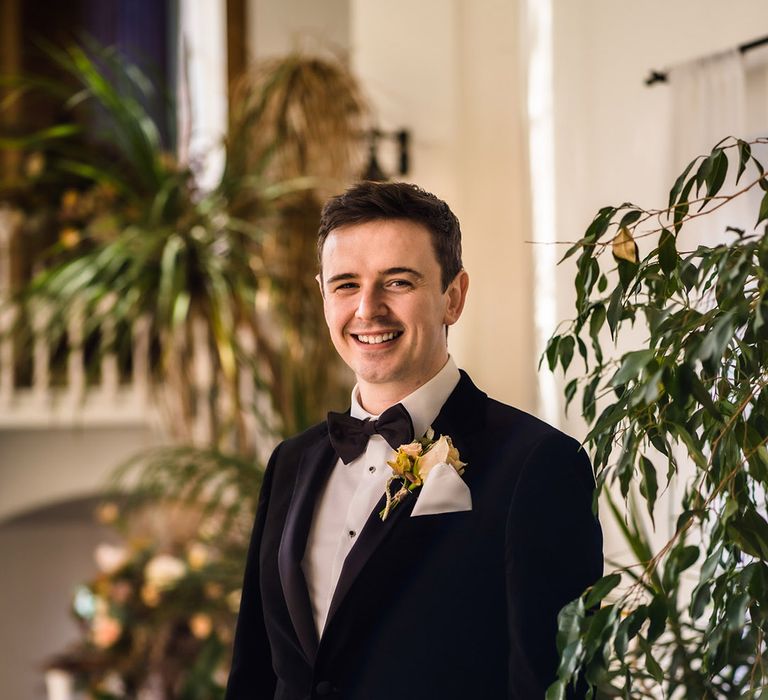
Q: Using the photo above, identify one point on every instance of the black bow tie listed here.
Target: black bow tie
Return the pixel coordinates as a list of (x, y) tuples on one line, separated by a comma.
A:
[(349, 436)]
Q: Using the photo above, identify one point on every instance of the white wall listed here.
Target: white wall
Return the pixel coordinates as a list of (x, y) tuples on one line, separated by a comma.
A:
[(39, 467), (278, 26), (448, 71)]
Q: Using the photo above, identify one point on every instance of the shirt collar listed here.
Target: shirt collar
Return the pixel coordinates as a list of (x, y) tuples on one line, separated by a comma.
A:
[(425, 403)]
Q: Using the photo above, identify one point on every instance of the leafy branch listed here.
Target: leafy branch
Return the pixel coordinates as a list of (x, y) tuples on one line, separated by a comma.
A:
[(690, 404)]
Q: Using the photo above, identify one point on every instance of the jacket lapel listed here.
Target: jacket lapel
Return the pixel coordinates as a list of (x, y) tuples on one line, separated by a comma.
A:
[(312, 472), (461, 416), (372, 535)]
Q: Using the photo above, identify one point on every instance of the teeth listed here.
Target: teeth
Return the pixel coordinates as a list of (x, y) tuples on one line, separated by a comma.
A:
[(376, 339)]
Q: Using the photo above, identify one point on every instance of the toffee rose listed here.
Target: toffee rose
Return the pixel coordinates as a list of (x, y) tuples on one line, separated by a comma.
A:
[(441, 451)]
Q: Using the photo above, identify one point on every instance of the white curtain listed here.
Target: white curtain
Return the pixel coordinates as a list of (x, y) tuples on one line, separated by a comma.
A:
[(709, 102)]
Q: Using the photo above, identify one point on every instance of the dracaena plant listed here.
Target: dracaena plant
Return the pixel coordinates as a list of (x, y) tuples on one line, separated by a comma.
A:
[(688, 620), (224, 268), (138, 241)]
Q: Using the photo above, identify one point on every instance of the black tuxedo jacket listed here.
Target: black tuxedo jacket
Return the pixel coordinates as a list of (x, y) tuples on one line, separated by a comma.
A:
[(452, 606)]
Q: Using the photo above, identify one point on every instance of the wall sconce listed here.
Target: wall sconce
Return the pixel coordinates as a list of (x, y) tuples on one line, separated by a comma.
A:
[(373, 170)]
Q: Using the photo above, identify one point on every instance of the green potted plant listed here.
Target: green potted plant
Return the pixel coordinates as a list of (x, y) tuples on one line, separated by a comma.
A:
[(695, 390), (215, 276)]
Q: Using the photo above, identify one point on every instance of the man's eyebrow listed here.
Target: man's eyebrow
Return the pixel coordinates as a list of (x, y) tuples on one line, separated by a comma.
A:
[(389, 271), (403, 270), (342, 276)]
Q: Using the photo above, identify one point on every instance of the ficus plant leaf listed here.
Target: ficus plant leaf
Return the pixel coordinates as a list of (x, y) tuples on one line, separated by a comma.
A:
[(687, 404), (624, 247), (668, 258), (745, 152)]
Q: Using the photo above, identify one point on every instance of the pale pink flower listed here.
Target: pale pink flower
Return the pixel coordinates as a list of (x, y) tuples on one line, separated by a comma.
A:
[(201, 625), (441, 450), (109, 557), (412, 449), (198, 555), (105, 631), (164, 570), (107, 513), (150, 595)]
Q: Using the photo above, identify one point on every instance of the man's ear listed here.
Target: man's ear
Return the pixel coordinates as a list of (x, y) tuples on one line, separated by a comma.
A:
[(319, 278), (456, 295)]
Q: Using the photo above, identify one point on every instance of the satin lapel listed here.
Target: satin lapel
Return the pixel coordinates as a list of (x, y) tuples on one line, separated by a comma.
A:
[(372, 534), (461, 417), (463, 414), (311, 475)]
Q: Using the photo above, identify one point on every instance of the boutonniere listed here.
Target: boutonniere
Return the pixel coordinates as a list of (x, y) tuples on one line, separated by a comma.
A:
[(414, 461)]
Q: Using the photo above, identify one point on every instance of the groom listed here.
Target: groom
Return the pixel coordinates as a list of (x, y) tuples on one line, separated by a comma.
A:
[(455, 593)]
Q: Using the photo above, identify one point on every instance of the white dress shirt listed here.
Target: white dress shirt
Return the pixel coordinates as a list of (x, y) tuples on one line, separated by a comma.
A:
[(353, 490)]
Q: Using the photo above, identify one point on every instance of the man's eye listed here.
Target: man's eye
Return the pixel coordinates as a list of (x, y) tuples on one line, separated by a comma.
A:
[(399, 283), (345, 286)]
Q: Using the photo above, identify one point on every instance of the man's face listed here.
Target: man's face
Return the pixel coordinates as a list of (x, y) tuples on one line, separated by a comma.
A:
[(384, 305)]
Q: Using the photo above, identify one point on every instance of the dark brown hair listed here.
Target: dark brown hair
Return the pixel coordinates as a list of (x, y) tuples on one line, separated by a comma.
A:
[(374, 201)]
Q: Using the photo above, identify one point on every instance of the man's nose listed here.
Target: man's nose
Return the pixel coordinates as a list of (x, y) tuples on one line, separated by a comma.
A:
[(371, 304)]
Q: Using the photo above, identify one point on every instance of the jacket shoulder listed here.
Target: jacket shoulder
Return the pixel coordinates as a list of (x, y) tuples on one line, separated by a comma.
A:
[(294, 445), (312, 434), (548, 459), (531, 430)]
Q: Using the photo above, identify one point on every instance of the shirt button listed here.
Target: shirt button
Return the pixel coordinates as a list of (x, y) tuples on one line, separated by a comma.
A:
[(371, 469), (351, 533)]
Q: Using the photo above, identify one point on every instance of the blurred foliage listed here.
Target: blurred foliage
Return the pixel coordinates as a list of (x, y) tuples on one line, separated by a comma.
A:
[(690, 619), (122, 236), (159, 616), (138, 239)]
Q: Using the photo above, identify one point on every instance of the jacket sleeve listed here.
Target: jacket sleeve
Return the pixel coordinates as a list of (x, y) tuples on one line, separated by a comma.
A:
[(252, 675), (553, 553)]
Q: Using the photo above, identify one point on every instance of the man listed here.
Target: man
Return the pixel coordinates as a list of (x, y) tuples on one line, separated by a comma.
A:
[(455, 593)]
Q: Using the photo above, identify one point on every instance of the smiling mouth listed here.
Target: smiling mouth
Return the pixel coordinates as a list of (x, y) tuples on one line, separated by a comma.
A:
[(377, 338)]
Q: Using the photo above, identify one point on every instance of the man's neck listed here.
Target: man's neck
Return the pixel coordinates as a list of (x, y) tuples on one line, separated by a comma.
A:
[(377, 398), (376, 401)]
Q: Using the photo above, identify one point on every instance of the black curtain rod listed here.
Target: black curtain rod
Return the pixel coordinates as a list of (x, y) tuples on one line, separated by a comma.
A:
[(657, 76)]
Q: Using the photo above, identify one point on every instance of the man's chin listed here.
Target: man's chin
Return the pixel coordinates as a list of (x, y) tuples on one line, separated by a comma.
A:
[(377, 373), (376, 378)]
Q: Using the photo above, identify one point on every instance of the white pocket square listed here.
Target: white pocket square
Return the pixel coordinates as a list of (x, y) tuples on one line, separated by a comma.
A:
[(444, 491)]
